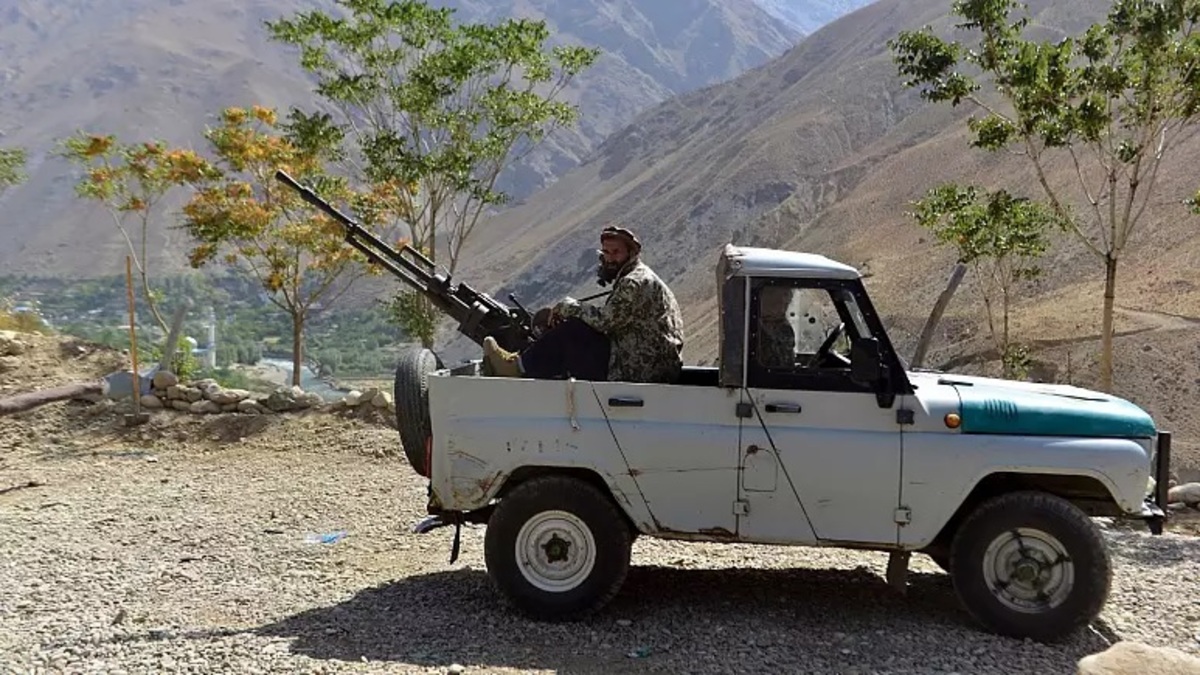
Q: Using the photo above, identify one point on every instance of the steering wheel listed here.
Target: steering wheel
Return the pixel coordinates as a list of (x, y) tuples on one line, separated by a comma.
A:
[(827, 345)]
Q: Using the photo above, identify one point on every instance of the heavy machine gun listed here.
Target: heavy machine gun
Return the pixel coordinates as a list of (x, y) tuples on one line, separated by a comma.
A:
[(478, 314)]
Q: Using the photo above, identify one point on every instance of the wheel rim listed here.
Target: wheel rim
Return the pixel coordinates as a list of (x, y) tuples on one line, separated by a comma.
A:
[(555, 551), (1028, 570)]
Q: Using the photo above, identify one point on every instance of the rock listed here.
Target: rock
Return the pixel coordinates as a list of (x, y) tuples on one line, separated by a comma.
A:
[(203, 384), (191, 394), (311, 400), (227, 407), (1188, 493), (9, 363), (455, 669), (381, 400), (151, 401), (1134, 658), (353, 398), (165, 379), (175, 392), (249, 407), (10, 345), (181, 404), (205, 407), (282, 400), (228, 396)]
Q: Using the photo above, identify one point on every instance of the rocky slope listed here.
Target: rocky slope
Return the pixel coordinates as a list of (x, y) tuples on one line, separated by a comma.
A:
[(809, 15), (144, 70)]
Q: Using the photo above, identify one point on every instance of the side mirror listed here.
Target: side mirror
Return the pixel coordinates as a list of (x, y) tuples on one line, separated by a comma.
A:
[(866, 364)]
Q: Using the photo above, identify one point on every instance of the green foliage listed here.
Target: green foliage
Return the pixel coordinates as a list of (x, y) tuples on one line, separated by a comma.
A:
[(1111, 101), (1000, 237), (12, 163), (183, 363), (294, 250), (414, 313), (440, 107), (132, 180)]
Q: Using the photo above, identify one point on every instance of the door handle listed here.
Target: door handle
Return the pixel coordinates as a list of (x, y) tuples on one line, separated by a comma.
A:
[(625, 402), (783, 407)]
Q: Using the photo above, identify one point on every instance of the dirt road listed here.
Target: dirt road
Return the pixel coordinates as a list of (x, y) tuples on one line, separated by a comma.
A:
[(181, 547)]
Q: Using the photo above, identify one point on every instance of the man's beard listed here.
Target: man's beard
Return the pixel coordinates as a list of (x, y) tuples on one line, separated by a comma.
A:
[(606, 273)]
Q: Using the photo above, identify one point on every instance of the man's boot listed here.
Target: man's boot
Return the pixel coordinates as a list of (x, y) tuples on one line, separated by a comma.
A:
[(503, 362)]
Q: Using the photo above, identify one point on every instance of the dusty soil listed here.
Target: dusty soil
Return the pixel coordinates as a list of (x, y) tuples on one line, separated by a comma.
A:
[(181, 545)]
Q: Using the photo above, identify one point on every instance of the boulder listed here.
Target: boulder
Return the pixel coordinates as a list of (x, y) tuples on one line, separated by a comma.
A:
[(381, 399), (353, 398), (181, 404), (165, 379), (151, 401), (249, 407), (9, 363), (228, 396), (1188, 493), (191, 394), (204, 407), (1135, 658), (282, 400), (11, 345)]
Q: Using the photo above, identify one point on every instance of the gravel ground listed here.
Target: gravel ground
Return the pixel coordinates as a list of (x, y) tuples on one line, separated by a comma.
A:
[(181, 546)]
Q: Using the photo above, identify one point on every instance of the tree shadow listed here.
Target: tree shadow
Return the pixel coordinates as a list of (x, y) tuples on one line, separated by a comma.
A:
[(750, 619)]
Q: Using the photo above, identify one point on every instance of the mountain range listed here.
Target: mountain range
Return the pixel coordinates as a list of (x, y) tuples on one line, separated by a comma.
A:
[(161, 70)]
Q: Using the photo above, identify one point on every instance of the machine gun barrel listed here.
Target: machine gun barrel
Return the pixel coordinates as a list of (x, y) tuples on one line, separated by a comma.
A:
[(478, 314)]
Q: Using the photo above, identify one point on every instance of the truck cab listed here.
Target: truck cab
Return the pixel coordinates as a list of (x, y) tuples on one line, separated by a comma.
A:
[(809, 431)]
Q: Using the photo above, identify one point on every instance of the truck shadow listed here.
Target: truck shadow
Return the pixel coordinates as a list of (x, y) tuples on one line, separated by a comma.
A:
[(742, 619)]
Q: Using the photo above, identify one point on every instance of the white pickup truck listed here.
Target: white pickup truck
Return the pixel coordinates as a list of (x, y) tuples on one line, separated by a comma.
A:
[(838, 446)]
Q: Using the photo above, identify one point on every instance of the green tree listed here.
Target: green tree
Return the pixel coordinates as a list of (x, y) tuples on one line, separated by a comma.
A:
[(1000, 237), (133, 180), (1110, 103), (440, 106), (12, 163), (295, 251)]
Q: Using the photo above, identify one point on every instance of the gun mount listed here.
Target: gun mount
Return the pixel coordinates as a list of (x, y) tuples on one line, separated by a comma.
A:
[(478, 314)]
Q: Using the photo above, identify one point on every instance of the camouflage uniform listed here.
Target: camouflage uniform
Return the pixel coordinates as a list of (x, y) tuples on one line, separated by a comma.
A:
[(642, 320)]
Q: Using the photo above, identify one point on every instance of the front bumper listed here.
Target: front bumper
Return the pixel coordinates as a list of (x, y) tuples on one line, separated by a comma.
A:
[(1154, 510)]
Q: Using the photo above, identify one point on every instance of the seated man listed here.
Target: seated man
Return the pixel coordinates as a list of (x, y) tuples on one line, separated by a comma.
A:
[(636, 336), (776, 338)]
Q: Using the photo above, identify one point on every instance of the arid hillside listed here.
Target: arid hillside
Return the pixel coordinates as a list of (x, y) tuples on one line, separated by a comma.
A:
[(823, 150), (162, 70)]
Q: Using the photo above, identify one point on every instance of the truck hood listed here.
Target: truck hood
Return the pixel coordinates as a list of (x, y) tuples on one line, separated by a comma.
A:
[(994, 406)]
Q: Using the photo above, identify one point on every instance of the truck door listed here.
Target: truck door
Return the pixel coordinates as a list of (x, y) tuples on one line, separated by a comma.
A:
[(681, 445), (836, 451)]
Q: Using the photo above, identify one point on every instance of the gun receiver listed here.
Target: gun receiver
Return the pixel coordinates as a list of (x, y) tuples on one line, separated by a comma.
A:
[(478, 314)]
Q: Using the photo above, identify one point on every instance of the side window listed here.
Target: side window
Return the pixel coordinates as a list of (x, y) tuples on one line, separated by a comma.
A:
[(791, 323)]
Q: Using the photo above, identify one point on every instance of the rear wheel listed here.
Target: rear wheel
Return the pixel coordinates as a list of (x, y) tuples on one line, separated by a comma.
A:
[(411, 392), (1030, 564), (557, 548)]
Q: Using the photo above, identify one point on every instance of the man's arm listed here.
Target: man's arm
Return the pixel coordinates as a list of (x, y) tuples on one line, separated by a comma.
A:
[(617, 314)]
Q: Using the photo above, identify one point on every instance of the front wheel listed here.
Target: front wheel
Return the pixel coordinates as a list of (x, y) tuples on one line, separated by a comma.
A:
[(557, 548), (1030, 564)]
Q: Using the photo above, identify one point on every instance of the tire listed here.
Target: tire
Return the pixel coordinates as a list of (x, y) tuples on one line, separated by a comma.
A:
[(411, 393), (1019, 534), (546, 512)]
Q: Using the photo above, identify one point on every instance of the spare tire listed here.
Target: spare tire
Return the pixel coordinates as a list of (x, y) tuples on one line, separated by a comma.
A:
[(411, 391)]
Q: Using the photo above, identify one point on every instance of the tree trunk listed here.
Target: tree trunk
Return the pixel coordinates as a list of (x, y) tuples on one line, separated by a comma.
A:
[(297, 347), (1106, 330), (33, 399), (935, 316)]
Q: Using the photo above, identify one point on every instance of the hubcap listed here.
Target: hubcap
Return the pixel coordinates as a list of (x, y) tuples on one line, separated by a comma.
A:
[(1028, 570), (555, 551)]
